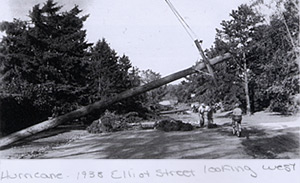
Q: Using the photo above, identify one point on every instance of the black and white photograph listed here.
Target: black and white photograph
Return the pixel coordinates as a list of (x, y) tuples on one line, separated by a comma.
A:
[(149, 79)]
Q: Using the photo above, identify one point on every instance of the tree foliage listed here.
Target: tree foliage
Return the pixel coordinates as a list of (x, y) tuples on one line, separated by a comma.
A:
[(238, 35), (268, 49), (45, 57), (153, 97), (278, 58), (48, 64), (110, 74)]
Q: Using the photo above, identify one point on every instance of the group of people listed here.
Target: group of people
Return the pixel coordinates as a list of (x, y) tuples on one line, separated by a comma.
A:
[(206, 116)]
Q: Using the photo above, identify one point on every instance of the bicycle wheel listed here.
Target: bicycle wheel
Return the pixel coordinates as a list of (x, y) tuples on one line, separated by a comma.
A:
[(239, 130)]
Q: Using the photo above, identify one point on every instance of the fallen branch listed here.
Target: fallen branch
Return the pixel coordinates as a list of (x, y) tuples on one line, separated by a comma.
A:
[(173, 111)]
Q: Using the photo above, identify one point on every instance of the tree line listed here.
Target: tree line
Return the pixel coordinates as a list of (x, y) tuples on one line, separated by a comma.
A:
[(49, 69), (263, 73)]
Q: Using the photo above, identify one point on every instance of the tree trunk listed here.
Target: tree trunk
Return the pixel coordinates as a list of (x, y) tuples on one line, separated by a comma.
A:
[(103, 103), (298, 45), (246, 82)]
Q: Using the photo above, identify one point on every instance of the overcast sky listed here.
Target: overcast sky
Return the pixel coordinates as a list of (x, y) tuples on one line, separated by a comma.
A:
[(145, 30)]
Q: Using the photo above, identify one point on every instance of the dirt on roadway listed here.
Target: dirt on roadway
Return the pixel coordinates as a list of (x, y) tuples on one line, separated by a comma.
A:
[(265, 135)]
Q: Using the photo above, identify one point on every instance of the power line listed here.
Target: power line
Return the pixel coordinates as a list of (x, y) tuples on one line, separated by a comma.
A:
[(186, 27), (193, 36)]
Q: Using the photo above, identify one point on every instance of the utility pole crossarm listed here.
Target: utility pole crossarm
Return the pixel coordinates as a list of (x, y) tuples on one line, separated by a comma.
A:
[(213, 61)]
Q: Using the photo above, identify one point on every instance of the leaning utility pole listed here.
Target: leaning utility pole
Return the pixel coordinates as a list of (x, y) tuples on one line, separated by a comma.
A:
[(45, 125)]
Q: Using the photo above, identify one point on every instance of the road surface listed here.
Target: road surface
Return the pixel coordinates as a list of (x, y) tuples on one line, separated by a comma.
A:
[(265, 136)]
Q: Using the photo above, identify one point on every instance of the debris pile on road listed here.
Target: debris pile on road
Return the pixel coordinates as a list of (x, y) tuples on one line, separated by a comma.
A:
[(132, 117), (172, 125), (111, 122)]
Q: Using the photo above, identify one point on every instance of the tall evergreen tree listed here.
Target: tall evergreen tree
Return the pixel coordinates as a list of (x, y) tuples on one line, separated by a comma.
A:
[(110, 74), (102, 72), (235, 75), (278, 57), (45, 57), (239, 33)]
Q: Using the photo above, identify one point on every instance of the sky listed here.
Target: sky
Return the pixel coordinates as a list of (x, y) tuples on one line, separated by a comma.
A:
[(145, 30)]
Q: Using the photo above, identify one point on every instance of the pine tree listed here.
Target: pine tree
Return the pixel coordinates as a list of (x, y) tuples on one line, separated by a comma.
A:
[(45, 57), (103, 71), (238, 33), (110, 74), (279, 80)]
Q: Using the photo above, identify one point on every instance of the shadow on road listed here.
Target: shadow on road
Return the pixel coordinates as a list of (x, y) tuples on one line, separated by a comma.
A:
[(270, 147), (257, 141)]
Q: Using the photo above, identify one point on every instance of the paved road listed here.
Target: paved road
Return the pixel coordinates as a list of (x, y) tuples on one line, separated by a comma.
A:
[(264, 136)]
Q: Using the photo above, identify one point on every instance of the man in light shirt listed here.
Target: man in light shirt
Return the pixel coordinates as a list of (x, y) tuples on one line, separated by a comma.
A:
[(237, 119)]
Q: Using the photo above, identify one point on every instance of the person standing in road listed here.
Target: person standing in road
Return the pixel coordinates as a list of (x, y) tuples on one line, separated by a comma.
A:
[(210, 112), (201, 111)]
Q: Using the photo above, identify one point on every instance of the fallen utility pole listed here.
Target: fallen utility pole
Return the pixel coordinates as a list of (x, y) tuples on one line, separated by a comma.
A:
[(45, 125), (173, 111)]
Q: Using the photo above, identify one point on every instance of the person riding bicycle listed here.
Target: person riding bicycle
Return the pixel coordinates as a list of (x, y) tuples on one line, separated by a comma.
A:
[(237, 119)]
